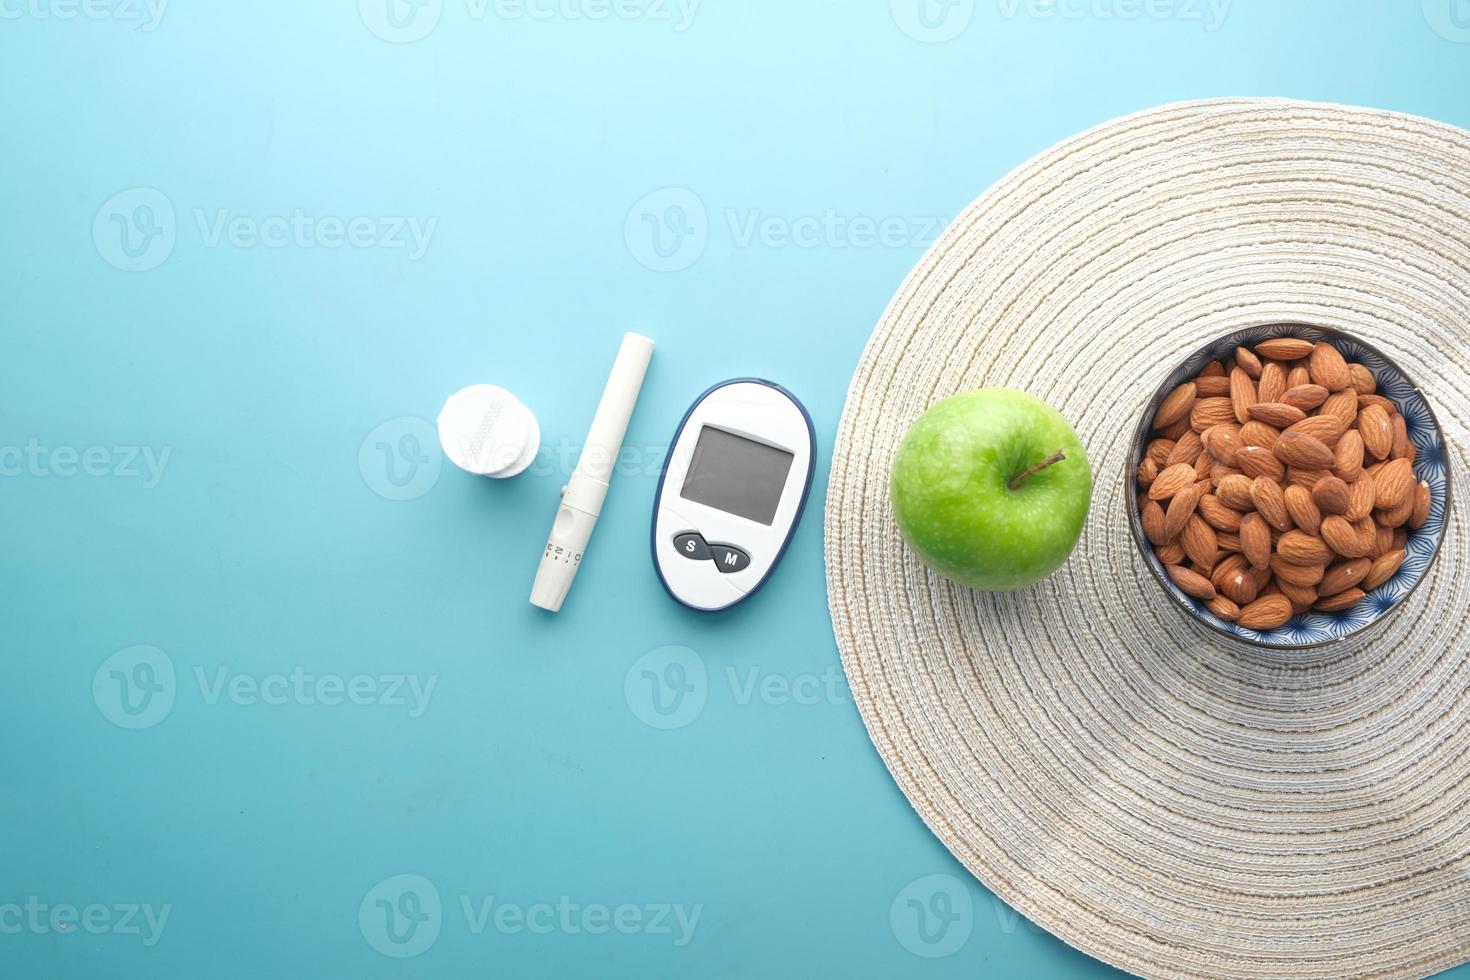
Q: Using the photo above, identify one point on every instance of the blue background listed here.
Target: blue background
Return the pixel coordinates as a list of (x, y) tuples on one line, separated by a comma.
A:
[(714, 183)]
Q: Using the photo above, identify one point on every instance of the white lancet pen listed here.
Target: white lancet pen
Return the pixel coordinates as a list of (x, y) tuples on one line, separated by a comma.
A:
[(581, 498)]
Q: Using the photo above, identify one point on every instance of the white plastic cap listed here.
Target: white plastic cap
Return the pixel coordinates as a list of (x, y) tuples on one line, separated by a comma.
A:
[(485, 430)]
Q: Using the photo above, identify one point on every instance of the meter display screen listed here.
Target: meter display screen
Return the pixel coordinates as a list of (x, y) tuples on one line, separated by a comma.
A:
[(737, 475)]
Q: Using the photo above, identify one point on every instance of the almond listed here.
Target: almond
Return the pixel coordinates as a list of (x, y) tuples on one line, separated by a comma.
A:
[(1326, 428), (1176, 430), (1344, 575), (1284, 348), (1267, 613), (1171, 553), (1176, 406), (1276, 414), (1199, 542), (1190, 582), (1221, 442), (1362, 495), (1242, 394), (1180, 509), (1393, 485), (1273, 383), (1171, 481), (1306, 479), (1328, 368), (1383, 568), (1332, 496), (1220, 517), (1285, 571), (1151, 517), (1239, 586), (1213, 369), (1348, 457), (1255, 540), (1398, 516), (1342, 537), (1343, 405), (1186, 450), (1423, 502), (1158, 450), (1297, 377), (1301, 548), (1204, 465), (1377, 431), (1301, 596), (1382, 542), (1303, 510), (1248, 362), (1229, 541), (1296, 448), (1148, 471), (1270, 501), (1210, 411), (1305, 397), (1212, 387), (1235, 492), (1223, 608), (1365, 400), (1341, 601), (1363, 381), (1400, 447), (1254, 461), (1258, 434)]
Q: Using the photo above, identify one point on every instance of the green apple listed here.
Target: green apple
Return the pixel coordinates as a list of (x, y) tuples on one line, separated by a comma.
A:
[(991, 489)]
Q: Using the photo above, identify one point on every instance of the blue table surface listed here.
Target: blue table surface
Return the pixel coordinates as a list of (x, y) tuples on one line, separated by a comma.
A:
[(274, 701)]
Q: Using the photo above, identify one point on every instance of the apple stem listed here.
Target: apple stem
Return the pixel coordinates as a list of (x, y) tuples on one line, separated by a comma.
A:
[(1054, 458)]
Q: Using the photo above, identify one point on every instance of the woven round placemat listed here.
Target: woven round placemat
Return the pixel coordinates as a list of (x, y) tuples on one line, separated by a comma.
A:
[(1157, 796)]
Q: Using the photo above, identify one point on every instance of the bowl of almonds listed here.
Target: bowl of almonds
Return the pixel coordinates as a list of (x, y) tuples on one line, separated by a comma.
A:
[(1288, 486)]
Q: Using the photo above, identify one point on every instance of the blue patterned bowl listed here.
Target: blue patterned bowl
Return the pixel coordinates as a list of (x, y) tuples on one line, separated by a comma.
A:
[(1313, 628)]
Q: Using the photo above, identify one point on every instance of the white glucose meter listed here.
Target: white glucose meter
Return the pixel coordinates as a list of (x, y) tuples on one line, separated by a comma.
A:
[(732, 490)]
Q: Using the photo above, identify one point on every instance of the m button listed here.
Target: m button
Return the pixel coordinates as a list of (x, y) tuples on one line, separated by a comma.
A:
[(729, 558)]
